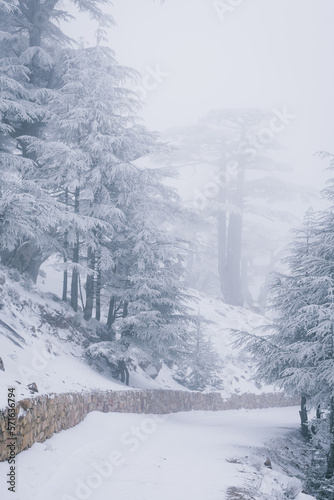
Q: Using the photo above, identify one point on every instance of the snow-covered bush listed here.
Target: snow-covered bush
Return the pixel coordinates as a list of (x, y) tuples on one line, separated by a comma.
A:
[(110, 357), (293, 488)]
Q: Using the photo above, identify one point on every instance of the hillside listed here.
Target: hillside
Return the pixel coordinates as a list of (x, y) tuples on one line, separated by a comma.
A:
[(43, 340)]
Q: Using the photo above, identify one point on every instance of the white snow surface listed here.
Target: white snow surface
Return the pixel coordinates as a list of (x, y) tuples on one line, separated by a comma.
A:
[(182, 456), (238, 367), (33, 350)]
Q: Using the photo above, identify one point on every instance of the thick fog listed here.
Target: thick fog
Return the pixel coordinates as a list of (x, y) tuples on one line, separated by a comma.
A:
[(198, 55), (202, 56)]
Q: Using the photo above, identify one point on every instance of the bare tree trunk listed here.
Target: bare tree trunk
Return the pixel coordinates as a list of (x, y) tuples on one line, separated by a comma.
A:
[(27, 258), (230, 241), (125, 309), (304, 417), (65, 281), (234, 241), (111, 312), (330, 457), (35, 37), (88, 311), (222, 250), (36, 19), (222, 236), (65, 274), (75, 272), (245, 283), (34, 265), (233, 293), (98, 286)]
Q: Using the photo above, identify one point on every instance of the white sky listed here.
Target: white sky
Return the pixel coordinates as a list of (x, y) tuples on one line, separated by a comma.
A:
[(264, 53)]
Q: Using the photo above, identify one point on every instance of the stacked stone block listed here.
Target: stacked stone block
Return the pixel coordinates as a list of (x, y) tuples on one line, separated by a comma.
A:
[(38, 418)]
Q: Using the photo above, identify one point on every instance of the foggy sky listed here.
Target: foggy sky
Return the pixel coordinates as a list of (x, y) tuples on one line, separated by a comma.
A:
[(261, 53)]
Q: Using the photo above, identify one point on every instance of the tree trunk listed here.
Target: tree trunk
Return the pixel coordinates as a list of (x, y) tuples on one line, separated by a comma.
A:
[(232, 287), (245, 283), (98, 286), (125, 309), (233, 292), (111, 312), (65, 273), (75, 271), (304, 418), (27, 258), (75, 277), (35, 37), (330, 457), (65, 281), (34, 265), (38, 21), (88, 311), (222, 235)]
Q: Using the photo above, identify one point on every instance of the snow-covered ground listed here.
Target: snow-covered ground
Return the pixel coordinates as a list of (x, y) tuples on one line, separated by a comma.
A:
[(38, 343), (238, 368), (34, 345), (183, 456)]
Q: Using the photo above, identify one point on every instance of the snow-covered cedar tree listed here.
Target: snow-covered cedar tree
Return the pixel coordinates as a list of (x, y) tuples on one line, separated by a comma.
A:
[(26, 211), (200, 364), (108, 217), (150, 285), (146, 289), (119, 214), (29, 39), (243, 183), (89, 162), (298, 352), (39, 20)]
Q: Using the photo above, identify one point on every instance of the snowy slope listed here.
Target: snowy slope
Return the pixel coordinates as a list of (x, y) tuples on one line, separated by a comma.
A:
[(238, 368), (33, 344), (35, 327)]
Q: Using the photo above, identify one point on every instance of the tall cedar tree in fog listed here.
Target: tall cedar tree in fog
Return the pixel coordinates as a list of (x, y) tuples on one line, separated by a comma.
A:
[(71, 187), (243, 184), (290, 295), (69, 128), (152, 264), (29, 37), (89, 161), (298, 355), (23, 205)]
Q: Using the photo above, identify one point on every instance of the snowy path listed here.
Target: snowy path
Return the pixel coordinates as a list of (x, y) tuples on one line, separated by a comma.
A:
[(181, 456)]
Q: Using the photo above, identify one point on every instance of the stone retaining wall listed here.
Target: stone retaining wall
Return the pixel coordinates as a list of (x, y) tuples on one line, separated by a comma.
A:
[(38, 418)]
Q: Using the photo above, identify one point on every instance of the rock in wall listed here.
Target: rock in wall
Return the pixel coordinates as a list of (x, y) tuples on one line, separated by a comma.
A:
[(38, 418)]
